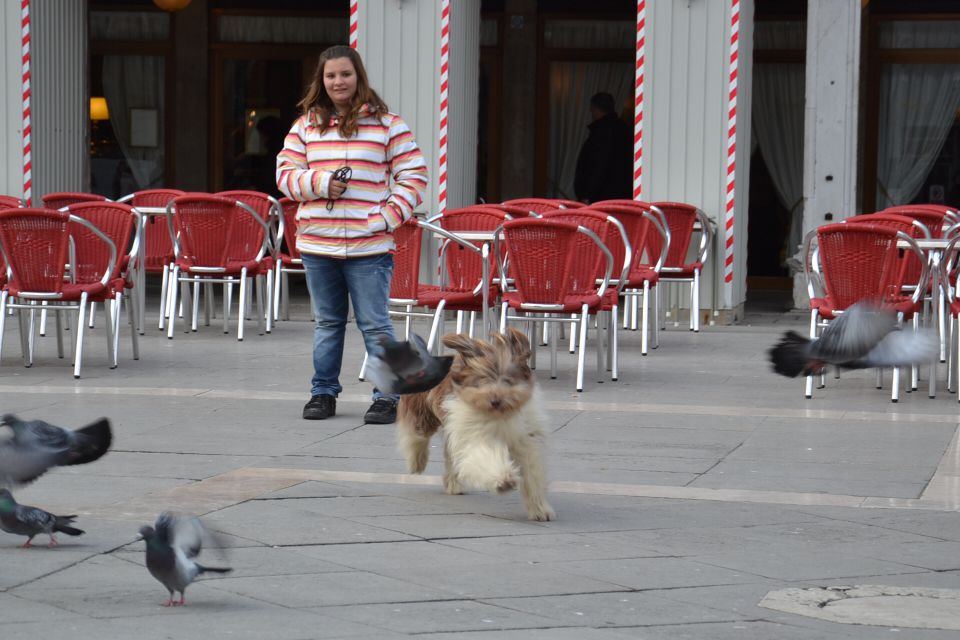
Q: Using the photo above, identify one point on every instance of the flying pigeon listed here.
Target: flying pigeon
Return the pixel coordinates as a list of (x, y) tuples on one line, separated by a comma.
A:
[(21, 520), (862, 337), (36, 446), (172, 544), (406, 367)]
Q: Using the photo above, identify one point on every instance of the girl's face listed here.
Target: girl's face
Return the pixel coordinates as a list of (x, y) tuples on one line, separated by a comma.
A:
[(340, 81)]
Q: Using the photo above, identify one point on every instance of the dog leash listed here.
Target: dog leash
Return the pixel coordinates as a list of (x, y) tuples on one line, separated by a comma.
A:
[(343, 174)]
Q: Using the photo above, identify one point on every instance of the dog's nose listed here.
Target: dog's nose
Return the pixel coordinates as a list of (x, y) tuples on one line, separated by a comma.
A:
[(495, 403)]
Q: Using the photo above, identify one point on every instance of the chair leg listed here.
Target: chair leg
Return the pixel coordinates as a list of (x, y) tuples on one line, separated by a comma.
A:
[(134, 310), (656, 317), (808, 389), (277, 277), (172, 301), (3, 317), (601, 350), (584, 320), (93, 314), (195, 306), (615, 344), (407, 322), (363, 367), (57, 320), (227, 299), (554, 340), (43, 320), (242, 305), (78, 357), (109, 326), (258, 291), (24, 340), (695, 301), (645, 319), (437, 320), (164, 284), (32, 333), (207, 303), (573, 335), (503, 317), (268, 278), (895, 390)]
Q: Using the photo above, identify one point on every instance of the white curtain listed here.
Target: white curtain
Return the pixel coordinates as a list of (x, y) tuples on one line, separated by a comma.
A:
[(778, 103), (136, 82), (918, 106), (572, 84), (590, 34)]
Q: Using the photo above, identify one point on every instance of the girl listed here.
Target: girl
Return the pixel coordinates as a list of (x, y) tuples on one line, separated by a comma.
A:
[(359, 174)]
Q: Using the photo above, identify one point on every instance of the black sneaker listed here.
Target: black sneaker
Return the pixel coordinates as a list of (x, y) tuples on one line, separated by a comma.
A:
[(320, 407), (382, 411)]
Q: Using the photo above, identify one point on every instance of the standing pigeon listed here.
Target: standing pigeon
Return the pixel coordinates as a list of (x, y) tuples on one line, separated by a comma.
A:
[(172, 544), (862, 337), (406, 367), (36, 446), (21, 520)]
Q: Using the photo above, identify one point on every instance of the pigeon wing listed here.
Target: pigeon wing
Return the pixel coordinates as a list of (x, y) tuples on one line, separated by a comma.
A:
[(34, 519), (853, 334), (89, 443), (903, 348), (20, 465)]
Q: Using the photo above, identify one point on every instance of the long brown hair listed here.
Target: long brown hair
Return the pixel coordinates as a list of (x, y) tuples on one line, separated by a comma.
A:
[(317, 100)]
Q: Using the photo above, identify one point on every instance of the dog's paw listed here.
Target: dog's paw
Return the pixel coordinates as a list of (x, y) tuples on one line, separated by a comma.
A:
[(542, 513), (452, 486), (509, 483)]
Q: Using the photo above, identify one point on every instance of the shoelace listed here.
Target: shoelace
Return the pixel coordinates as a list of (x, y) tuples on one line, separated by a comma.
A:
[(343, 174)]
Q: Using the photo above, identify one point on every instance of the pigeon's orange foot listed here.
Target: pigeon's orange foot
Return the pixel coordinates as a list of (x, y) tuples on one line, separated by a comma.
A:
[(26, 545)]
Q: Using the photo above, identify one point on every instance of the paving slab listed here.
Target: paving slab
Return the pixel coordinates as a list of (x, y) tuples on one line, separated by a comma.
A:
[(330, 539)]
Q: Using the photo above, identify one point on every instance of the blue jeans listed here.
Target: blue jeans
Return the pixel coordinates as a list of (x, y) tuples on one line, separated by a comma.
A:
[(330, 280)]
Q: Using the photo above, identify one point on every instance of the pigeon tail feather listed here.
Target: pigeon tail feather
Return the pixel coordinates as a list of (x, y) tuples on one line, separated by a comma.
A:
[(97, 438), (790, 356), (62, 527)]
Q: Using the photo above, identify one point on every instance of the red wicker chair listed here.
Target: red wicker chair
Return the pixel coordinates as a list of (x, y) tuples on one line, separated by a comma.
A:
[(206, 252), (10, 202), (120, 223), (156, 247), (613, 235), (288, 258), (681, 219), (542, 205), (547, 272), (270, 212), (36, 247), (66, 198), (846, 263)]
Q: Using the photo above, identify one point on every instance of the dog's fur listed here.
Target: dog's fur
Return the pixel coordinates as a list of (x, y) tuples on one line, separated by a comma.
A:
[(489, 409)]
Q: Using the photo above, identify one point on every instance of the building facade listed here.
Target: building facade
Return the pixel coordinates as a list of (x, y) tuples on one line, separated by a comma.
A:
[(773, 116)]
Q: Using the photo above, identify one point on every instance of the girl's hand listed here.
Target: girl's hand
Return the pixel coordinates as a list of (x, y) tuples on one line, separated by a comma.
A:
[(336, 189)]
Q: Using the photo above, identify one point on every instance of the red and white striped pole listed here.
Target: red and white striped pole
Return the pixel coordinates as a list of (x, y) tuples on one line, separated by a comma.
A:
[(731, 151), (638, 100), (444, 102), (25, 43), (354, 22)]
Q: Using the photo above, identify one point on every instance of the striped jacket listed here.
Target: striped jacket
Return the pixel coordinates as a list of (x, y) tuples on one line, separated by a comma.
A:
[(361, 220)]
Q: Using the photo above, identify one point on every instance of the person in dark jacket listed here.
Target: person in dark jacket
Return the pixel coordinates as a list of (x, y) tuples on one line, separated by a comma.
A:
[(605, 164)]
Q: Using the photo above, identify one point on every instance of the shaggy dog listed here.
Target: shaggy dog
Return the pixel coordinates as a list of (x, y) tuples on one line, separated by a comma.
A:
[(489, 409)]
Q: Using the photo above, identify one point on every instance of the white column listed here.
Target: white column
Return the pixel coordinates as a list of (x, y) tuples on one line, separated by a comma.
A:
[(830, 123), (686, 129), (399, 41)]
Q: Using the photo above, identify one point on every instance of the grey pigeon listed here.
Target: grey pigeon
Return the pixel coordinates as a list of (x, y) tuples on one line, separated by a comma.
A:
[(862, 337), (21, 520), (37, 446), (406, 367), (172, 544)]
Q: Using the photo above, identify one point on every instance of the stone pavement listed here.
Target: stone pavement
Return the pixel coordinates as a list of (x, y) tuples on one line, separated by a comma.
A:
[(685, 493)]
